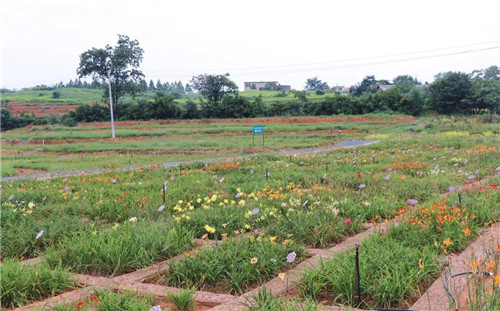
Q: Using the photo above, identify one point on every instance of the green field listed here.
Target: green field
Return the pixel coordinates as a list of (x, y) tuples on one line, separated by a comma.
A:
[(114, 223), (71, 95)]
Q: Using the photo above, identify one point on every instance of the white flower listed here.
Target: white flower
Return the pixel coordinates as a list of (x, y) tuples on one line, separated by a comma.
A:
[(133, 219), (161, 208), (39, 235)]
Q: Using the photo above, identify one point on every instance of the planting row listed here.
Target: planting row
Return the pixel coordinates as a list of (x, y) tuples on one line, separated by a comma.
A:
[(262, 211)]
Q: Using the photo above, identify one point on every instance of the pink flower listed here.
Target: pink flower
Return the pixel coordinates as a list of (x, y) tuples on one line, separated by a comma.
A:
[(347, 221)]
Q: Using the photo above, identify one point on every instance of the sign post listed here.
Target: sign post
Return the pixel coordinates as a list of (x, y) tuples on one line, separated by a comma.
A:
[(257, 130)]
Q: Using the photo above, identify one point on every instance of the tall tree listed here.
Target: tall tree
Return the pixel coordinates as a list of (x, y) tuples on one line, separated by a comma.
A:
[(451, 92), (314, 84), (213, 87), (405, 83), (119, 65), (486, 85), (368, 85)]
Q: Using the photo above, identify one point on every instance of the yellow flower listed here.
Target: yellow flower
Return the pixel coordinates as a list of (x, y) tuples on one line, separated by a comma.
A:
[(254, 260), (272, 239), (213, 198), (209, 229), (281, 276), (31, 204), (199, 200), (241, 203), (247, 226)]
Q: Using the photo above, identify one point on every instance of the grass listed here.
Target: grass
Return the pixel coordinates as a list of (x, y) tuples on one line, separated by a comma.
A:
[(233, 265), (394, 265), (67, 95), (119, 250), (184, 299), (266, 301), (106, 300), (113, 223), (22, 284)]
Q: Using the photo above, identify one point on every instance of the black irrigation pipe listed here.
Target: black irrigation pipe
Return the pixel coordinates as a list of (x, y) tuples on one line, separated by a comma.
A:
[(359, 303), (485, 273)]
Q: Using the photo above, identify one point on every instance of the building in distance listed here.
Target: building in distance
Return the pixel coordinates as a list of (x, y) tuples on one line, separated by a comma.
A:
[(266, 86)]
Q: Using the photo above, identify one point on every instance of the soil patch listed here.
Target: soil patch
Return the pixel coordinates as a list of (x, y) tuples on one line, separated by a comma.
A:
[(257, 121), (39, 141)]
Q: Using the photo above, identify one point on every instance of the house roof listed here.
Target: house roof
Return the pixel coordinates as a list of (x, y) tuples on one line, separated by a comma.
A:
[(262, 82), (385, 87)]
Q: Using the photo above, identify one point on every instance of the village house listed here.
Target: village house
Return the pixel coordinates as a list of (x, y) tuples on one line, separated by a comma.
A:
[(266, 86)]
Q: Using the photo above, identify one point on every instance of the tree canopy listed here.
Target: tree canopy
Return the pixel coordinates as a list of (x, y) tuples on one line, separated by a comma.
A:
[(118, 64), (213, 87), (314, 84), (451, 92)]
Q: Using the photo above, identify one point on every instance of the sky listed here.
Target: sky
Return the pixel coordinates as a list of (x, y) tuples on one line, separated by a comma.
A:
[(340, 42)]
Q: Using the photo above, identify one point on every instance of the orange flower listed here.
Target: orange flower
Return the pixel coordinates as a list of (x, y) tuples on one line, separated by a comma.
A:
[(474, 264), (490, 265), (466, 231), (496, 278), (420, 264), (254, 260), (447, 242), (281, 276)]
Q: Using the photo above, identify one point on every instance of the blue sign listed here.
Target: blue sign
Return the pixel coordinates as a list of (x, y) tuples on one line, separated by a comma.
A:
[(258, 129)]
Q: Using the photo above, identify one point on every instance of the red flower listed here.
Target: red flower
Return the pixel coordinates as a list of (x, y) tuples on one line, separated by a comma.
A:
[(120, 198), (125, 194), (347, 221), (79, 305), (493, 186), (94, 298)]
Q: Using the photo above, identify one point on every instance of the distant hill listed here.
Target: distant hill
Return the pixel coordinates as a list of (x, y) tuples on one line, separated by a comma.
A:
[(58, 100)]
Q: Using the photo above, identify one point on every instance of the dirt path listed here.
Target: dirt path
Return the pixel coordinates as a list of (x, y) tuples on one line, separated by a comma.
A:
[(43, 176)]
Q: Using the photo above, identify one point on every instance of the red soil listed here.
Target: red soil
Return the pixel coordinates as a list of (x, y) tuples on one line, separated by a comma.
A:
[(290, 120), (40, 109), (136, 138)]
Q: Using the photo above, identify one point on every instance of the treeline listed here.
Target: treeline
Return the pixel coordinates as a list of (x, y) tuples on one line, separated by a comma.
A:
[(175, 88), (450, 93)]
